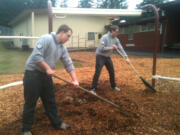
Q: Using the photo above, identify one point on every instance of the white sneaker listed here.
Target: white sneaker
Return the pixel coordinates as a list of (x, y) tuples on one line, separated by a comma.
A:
[(93, 91), (116, 88), (64, 126), (27, 133)]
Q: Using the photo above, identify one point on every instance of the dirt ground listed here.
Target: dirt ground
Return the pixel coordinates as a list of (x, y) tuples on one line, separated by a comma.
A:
[(143, 112)]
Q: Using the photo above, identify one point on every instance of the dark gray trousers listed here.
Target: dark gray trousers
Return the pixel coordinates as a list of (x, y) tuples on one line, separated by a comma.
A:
[(37, 84), (100, 62)]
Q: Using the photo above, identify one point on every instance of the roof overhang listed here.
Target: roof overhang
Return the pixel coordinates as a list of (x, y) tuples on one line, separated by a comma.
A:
[(82, 11), (96, 12)]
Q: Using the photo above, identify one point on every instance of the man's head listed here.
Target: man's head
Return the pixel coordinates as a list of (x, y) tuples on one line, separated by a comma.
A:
[(63, 33), (114, 29)]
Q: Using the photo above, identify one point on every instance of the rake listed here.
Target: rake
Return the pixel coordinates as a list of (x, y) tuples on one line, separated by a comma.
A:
[(142, 79), (97, 96)]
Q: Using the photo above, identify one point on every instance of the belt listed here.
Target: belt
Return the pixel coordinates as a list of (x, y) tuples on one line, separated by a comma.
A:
[(36, 71)]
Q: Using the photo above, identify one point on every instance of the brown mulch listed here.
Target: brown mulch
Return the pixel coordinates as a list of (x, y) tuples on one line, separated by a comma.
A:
[(143, 112)]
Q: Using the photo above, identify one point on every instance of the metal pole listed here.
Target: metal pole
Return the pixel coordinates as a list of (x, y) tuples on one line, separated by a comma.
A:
[(85, 40), (78, 40), (50, 16), (72, 41), (156, 45)]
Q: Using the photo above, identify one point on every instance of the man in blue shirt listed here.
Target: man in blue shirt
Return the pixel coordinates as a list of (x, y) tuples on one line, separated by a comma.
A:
[(38, 77)]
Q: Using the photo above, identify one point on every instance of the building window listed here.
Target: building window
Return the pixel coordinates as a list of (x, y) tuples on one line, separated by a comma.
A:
[(143, 28), (151, 26), (130, 30), (91, 36), (137, 28), (147, 27), (122, 30)]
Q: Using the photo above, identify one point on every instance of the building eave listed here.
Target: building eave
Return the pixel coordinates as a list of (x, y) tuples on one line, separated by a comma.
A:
[(81, 11), (96, 12)]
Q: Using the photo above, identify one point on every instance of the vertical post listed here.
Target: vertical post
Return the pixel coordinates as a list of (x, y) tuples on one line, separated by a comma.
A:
[(94, 42), (78, 40), (50, 16), (32, 23), (32, 26), (72, 41), (156, 45), (85, 40)]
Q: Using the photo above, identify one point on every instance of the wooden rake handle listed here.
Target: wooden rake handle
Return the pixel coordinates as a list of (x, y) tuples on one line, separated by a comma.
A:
[(129, 63), (97, 96), (142, 79)]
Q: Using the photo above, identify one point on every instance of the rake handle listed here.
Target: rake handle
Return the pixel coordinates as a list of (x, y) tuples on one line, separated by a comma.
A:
[(129, 64), (142, 79), (99, 97)]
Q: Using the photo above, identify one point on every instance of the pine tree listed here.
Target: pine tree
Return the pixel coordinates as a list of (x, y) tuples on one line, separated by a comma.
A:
[(85, 4), (154, 2), (64, 4), (112, 4)]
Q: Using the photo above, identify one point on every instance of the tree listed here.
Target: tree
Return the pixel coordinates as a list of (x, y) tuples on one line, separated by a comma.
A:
[(64, 4), (85, 4), (112, 4), (54, 2), (154, 2), (148, 14)]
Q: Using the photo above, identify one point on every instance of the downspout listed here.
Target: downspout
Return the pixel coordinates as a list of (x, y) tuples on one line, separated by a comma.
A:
[(156, 45)]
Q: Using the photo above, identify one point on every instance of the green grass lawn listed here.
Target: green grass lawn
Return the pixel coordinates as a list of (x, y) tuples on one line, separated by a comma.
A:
[(13, 61)]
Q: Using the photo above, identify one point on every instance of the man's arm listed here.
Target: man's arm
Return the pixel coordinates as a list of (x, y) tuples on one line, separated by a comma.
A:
[(66, 60), (74, 78), (46, 67)]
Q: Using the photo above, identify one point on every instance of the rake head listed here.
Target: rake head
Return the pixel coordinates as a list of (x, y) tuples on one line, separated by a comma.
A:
[(147, 84)]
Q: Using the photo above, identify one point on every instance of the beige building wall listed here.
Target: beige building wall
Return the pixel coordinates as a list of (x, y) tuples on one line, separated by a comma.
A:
[(22, 28), (41, 24), (81, 25), (40, 27)]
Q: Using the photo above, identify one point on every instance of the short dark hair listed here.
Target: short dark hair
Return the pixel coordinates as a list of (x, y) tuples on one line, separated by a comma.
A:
[(64, 28), (113, 28)]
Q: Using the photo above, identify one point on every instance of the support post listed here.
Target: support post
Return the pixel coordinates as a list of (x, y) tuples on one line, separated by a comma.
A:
[(50, 16), (157, 38)]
